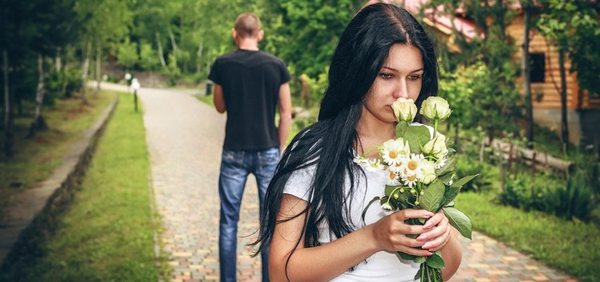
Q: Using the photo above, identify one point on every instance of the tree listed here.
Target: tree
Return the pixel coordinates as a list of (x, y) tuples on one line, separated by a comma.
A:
[(572, 25), (495, 97), (127, 54), (527, 7), (148, 60)]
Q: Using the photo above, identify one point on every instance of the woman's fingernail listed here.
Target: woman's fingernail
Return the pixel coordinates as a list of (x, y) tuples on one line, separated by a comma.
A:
[(426, 246), (422, 237)]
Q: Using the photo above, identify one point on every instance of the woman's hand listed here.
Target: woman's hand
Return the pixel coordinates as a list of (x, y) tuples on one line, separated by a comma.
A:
[(438, 234), (389, 233)]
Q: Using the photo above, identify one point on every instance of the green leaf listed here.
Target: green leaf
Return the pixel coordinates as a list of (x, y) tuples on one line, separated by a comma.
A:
[(389, 189), (406, 256), (459, 220), (435, 261), (461, 182), (433, 197), (401, 129), (446, 178), (417, 136), (420, 260), (448, 167), (450, 194)]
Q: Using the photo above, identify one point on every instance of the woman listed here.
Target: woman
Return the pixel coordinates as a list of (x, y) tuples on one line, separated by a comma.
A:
[(312, 218)]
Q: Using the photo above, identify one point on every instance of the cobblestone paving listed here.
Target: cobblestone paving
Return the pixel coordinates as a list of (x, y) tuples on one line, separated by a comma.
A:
[(185, 137), (485, 260)]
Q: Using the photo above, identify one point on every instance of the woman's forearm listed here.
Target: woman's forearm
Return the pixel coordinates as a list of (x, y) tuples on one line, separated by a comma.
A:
[(325, 262), (452, 255)]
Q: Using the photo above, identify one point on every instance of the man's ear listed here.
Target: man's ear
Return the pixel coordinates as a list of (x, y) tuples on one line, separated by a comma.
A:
[(260, 35), (234, 34)]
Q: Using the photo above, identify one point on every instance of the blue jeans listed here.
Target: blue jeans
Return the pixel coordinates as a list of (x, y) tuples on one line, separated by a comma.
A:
[(235, 167)]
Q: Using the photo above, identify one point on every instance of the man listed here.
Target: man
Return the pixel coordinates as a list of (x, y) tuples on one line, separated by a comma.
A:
[(249, 84)]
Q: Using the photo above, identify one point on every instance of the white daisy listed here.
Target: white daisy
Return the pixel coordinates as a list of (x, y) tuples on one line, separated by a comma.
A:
[(360, 160), (413, 165), (410, 180), (398, 168), (394, 150), (374, 165), (392, 178)]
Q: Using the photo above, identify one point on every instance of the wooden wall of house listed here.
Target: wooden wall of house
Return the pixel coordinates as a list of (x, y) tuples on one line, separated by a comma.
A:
[(546, 95)]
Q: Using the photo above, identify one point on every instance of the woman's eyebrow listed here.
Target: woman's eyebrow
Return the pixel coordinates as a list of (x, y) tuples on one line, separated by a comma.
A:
[(393, 69)]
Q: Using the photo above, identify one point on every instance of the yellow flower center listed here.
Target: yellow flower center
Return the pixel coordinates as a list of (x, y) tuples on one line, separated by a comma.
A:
[(392, 175), (412, 165), (393, 154), (411, 178)]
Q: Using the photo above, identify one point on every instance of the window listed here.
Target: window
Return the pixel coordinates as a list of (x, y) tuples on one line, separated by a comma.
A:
[(537, 67)]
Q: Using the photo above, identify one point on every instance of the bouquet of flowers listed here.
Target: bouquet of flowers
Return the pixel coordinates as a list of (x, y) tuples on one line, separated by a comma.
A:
[(420, 171)]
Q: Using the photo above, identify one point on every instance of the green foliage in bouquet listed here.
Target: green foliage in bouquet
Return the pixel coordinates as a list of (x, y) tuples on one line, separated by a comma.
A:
[(421, 172)]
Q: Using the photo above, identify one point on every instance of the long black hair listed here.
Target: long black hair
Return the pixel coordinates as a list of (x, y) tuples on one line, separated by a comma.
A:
[(329, 144)]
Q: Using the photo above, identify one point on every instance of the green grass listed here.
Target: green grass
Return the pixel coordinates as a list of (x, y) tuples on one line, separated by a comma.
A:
[(107, 233), (35, 159), (571, 246), (207, 99)]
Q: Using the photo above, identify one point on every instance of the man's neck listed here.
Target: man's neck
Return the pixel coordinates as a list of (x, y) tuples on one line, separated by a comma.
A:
[(248, 44)]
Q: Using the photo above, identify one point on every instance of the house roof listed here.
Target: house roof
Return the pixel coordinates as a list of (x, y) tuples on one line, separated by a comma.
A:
[(439, 19)]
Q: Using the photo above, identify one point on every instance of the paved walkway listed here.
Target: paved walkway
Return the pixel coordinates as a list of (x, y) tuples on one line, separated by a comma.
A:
[(185, 137)]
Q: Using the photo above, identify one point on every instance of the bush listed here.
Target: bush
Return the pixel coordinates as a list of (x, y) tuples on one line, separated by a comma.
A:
[(62, 84), (522, 191), (466, 166), (570, 199), (574, 200)]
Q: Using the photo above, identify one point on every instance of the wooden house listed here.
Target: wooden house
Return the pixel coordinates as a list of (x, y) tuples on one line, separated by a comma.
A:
[(583, 111)]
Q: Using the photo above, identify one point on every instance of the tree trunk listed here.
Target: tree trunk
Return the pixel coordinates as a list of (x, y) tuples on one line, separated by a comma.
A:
[(563, 101), (38, 122), (8, 118), (160, 51), (527, 80), (456, 138), (86, 66), (58, 60), (173, 42), (65, 81), (199, 60), (98, 66)]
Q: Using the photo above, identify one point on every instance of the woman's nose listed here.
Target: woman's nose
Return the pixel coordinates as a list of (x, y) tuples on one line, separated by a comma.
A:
[(401, 90)]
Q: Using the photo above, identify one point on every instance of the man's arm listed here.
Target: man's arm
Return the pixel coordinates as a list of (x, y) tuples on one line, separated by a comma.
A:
[(219, 100), (285, 114)]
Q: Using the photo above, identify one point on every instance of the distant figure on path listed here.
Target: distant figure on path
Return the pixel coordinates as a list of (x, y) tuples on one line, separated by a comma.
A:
[(249, 85)]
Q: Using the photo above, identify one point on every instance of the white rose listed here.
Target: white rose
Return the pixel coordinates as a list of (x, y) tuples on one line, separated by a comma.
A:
[(405, 109), (428, 172), (435, 107), (436, 146)]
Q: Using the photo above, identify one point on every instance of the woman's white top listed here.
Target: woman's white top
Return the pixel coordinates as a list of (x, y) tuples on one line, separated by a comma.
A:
[(381, 266)]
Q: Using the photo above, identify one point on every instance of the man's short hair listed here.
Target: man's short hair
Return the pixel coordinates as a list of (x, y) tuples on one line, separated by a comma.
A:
[(247, 25)]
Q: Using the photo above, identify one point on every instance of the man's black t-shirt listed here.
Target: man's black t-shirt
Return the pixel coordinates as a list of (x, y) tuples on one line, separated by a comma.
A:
[(250, 82)]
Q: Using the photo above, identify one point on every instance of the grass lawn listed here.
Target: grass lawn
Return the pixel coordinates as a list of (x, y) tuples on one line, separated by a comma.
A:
[(571, 246), (107, 232), (35, 159)]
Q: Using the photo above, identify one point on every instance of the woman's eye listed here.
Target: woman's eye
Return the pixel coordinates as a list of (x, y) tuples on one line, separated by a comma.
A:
[(385, 75), (414, 77)]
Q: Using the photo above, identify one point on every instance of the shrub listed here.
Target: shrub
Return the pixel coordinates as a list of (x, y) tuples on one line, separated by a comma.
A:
[(574, 200), (570, 199), (466, 166)]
